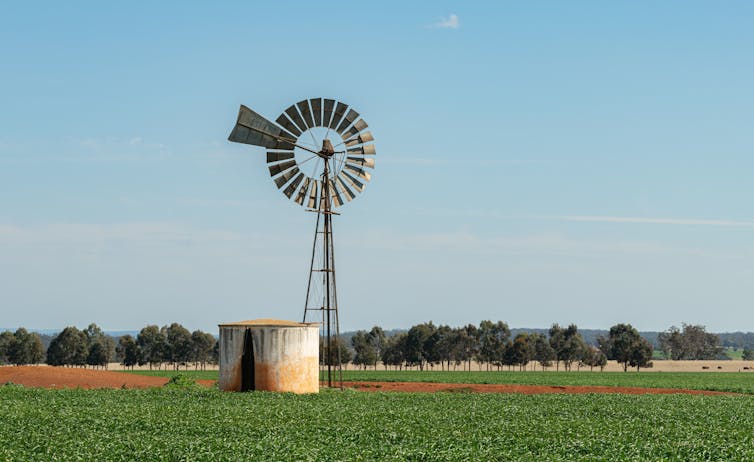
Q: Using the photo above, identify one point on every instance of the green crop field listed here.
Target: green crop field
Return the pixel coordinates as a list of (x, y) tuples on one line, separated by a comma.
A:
[(738, 382), (176, 424)]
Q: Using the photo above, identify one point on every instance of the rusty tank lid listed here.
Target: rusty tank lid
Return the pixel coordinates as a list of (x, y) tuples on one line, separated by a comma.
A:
[(269, 322)]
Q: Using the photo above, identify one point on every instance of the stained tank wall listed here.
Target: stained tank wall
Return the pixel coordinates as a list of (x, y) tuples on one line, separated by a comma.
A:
[(230, 355), (286, 358)]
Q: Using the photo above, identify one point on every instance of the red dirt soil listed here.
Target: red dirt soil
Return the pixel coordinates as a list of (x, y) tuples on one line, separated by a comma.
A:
[(73, 377), (65, 377)]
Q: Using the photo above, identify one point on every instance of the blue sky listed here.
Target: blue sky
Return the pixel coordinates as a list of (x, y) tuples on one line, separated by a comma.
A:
[(584, 162)]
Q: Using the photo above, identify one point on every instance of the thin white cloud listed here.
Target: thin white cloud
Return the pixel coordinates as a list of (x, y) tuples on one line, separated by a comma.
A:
[(451, 22), (431, 161), (135, 149), (424, 161), (658, 221), (547, 244), (65, 234)]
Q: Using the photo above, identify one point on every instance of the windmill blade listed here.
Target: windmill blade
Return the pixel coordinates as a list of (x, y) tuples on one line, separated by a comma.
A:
[(360, 161), (367, 149), (302, 192), (316, 104), (359, 172), (276, 169), (337, 200), (293, 114), (353, 181), (252, 128), (286, 177), (294, 184), (303, 107), (347, 120), (337, 114), (356, 128), (361, 139), (335, 194), (279, 156), (313, 194), (286, 123), (350, 195), (327, 112)]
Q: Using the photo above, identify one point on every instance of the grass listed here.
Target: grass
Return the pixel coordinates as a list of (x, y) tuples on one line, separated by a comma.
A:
[(736, 354), (738, 382), (208, 425)]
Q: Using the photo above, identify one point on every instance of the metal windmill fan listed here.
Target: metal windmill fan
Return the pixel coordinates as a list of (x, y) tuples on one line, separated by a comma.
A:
[(318, 176)]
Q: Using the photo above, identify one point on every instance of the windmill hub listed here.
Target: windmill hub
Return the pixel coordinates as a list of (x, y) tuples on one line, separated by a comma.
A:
[(327, 149)]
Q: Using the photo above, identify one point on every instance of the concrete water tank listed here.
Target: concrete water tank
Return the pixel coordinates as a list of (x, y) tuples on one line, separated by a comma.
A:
[(269, 354)]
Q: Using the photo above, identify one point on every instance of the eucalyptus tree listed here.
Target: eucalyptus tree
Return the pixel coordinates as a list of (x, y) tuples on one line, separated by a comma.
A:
[(6, 345), (68, 348), (153, 346), (417, 343), (627, 347), (202, 344), (26, 348), (522, 350), (378, 340), (692, 342), (178, 346), (567, 343), (492, 341), (543, 352), (365, 354), (394, 353), (100, 347), (128, 351)]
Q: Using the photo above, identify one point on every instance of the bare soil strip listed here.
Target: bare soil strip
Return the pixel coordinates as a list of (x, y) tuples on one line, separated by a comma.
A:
[(73, 377)]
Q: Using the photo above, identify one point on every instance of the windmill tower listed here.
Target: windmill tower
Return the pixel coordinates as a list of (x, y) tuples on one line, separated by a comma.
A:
[(317, 153)]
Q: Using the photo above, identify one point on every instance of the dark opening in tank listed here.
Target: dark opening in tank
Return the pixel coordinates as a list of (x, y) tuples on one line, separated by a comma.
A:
[(247, 363)]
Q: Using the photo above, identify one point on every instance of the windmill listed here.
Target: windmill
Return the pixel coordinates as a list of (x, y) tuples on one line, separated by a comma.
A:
[(317, 153)]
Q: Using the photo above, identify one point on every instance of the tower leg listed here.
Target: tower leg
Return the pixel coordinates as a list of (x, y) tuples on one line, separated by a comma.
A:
[(327, 305)]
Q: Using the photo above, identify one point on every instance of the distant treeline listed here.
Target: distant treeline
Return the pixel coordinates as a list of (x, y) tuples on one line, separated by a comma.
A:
[(426, 345), (490, 343), (153, 345), (495, 345), (734, 340)]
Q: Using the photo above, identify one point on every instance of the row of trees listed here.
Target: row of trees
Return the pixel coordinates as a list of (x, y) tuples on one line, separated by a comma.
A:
[(172, 344), (21, 347), (74, 347), (424, 345), (690, 342), (490, 343), (153, 345)]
